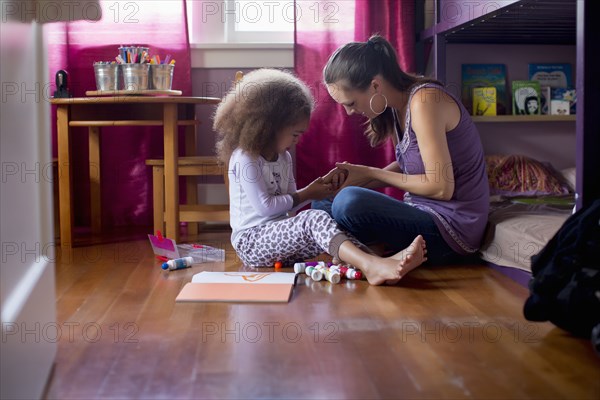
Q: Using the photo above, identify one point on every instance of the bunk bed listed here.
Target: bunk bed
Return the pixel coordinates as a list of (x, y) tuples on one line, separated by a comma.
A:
[(519, 228)]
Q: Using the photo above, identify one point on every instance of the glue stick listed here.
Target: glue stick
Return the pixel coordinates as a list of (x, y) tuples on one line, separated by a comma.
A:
[(178, 263)]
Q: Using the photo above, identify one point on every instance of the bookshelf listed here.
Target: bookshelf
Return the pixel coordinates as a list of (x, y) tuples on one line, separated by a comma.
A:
[(527, 22)]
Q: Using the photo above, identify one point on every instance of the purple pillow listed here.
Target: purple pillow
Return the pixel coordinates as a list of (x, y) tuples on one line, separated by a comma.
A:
[(516, 175)]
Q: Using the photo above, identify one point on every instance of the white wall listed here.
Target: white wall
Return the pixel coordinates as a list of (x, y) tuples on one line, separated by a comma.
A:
[(27, 282)]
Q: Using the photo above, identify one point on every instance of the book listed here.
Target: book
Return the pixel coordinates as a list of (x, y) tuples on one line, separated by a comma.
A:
[(484, 101), (429, 14), (245, 287), (484, 75), (553, 75), (545, 97), (566, 94), (559, 107), (526, 97)]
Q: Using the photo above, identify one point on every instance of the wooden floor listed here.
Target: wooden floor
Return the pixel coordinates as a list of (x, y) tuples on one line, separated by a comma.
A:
[(445, 332)]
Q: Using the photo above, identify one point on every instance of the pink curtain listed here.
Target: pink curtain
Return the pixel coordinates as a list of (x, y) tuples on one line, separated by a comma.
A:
[(74, 46), (321, 27)]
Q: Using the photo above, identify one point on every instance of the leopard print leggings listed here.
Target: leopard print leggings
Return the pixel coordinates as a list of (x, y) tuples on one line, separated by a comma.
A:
[(291, 240)]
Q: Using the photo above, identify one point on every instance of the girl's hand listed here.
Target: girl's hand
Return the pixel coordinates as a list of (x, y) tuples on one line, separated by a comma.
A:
[(357, 175), (319, 189), (336, 177)]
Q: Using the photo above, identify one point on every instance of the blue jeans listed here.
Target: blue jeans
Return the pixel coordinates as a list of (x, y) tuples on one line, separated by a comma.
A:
[(375, 218)]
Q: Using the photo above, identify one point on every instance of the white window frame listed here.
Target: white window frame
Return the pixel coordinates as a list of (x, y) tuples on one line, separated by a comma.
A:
[(212, 49), (214, 22)]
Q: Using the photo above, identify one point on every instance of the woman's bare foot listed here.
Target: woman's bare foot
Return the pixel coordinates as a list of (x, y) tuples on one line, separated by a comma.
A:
[(391, 269), (413, 256)]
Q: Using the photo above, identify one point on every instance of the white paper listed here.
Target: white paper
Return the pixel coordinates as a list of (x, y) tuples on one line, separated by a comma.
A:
[(244, 277)]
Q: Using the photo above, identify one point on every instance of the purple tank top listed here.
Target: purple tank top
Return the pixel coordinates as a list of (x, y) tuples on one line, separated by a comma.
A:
[(462, 219)]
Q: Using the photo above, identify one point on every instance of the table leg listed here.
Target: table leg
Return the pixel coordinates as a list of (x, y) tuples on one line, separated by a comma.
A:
[(171, 176), (64, 178), (191, 182), (95, 193), (158, 199)]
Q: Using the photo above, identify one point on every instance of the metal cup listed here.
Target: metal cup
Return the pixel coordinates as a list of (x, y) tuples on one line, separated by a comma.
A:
[(107, 76), (162, 76), (135, 76)]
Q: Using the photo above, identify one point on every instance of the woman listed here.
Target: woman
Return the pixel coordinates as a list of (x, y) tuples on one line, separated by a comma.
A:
[(440, 163)]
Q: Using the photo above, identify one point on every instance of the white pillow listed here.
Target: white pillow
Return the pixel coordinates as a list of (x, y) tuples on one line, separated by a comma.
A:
[(569, 175)]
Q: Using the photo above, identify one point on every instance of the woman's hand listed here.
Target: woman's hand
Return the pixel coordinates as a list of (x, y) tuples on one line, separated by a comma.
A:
[(357, 175)]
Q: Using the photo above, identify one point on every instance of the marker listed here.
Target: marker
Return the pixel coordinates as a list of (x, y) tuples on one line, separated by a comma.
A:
[(314, 273), (299, 268), (349, 273), (336, 267), (332, 276), (354, 274)]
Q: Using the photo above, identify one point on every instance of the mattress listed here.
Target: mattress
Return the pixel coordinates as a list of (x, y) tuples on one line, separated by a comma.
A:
[(517, 231)]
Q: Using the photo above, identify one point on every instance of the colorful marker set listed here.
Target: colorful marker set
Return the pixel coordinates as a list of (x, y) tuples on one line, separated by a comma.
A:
[(332, 273), (133, 55), (140, 55)]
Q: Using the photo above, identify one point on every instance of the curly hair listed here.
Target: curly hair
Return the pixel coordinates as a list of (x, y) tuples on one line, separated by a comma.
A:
[(257, 108)]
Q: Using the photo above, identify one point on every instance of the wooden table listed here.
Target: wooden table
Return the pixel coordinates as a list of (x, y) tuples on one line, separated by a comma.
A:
[(96, 112)]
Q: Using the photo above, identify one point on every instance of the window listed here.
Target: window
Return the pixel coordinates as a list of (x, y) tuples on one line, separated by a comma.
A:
[(241, 21)]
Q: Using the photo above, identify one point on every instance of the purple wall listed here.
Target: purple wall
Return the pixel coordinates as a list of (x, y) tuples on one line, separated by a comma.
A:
[(211, 83)]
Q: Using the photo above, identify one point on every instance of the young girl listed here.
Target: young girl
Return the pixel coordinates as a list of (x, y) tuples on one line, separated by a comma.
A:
[(258, 121)]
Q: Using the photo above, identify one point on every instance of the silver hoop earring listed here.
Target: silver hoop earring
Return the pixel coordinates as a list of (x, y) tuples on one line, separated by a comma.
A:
[(371, 104)]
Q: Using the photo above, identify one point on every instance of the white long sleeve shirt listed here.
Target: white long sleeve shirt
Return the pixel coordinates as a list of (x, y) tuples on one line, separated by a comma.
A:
[(260, 191)]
